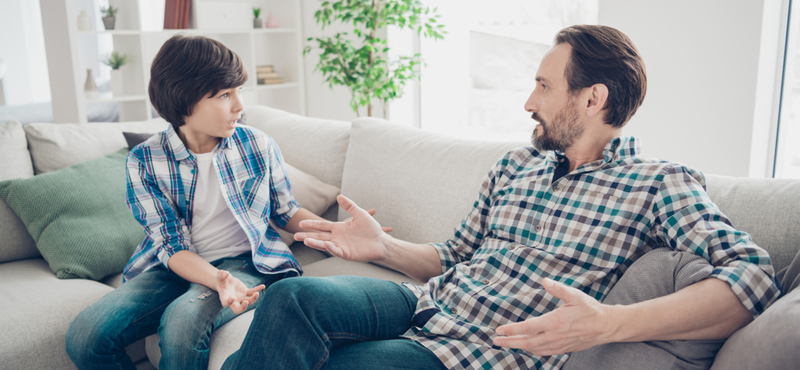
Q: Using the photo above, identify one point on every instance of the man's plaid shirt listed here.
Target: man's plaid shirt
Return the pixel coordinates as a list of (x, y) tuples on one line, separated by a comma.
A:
[(584, 230), (161, 183)]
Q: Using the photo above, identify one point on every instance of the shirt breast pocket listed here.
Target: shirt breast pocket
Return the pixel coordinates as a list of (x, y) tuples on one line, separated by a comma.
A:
[(255, 194)]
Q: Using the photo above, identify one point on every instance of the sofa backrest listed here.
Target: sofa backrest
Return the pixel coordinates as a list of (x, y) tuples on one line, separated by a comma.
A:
[(312, 145), (15, 241), (420, 183), (768, 209)]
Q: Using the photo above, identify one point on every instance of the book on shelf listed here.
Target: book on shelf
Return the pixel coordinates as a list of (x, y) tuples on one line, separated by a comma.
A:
[(267, 75), (176, 14), (265, 69), (269, 81)]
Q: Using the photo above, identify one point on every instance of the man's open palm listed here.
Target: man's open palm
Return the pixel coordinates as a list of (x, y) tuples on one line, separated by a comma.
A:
[(355, 239)]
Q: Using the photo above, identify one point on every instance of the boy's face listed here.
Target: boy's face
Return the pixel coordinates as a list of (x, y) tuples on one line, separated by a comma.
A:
[(213, 117)]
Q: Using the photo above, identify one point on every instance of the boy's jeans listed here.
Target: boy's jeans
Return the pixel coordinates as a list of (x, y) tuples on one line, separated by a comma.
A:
[(184, 315)]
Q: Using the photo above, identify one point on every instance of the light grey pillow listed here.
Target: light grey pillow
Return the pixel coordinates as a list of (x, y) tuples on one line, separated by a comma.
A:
[(16, 243), (311, 193)]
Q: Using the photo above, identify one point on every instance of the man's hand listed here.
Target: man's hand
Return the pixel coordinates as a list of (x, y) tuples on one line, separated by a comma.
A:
[(356, 239), (233, 293), (581, 322)]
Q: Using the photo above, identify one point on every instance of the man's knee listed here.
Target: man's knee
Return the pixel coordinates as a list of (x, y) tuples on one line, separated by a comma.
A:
[(658, 273)]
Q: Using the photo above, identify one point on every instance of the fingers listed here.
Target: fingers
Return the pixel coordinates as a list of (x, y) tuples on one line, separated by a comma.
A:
[(348, 205), (561, 291), (316, 225), (307, 235), (371, 211), (324, 246), (387, 229), (255, 290)]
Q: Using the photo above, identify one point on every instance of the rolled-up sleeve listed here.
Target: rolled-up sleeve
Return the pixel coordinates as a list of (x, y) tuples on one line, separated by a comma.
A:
[(686, 219), (155, 211)]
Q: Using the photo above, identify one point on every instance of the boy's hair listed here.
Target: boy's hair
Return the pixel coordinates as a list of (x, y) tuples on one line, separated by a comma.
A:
[(187, 69), (604, 55)]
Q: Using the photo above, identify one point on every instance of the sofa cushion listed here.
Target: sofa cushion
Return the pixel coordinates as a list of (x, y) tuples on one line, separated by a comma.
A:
[(55, 146), (759, 207), (16, 243), (423, 203), (78, 216), (315, 146), (769, 342), (37, 309)]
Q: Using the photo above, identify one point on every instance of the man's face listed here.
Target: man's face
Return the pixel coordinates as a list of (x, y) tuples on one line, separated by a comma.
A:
[(215, 116), (551, 104)]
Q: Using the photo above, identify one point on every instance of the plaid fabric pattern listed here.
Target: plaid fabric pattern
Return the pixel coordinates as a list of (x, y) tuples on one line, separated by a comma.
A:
[(584, 230), (161, 184)]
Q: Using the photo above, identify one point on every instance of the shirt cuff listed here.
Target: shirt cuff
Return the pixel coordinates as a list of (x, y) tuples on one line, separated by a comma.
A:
[(755, 288)]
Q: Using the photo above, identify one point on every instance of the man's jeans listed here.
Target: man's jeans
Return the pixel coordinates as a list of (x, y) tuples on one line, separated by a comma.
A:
[(341, 322), (184, 315)]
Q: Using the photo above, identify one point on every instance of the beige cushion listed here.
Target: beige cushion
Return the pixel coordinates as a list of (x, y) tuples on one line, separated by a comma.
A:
[(314, 146), (311, 193), (16, 243), (765, 208), (387, 168), (34, 327), (59, 145)]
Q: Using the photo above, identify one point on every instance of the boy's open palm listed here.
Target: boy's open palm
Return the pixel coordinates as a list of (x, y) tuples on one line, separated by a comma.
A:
[(234, 294), (355, 239)]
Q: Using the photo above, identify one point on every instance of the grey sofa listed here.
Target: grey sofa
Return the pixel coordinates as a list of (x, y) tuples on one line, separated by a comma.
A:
[(421, 184)]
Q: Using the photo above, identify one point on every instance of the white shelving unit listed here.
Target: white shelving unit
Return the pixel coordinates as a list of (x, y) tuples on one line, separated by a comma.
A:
[(280, 47)]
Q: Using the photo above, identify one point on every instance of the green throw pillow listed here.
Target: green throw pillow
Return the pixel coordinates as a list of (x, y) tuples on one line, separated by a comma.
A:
[(78, 217)]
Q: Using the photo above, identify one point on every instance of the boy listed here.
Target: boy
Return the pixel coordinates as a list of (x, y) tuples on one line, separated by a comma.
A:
[(204, 190)]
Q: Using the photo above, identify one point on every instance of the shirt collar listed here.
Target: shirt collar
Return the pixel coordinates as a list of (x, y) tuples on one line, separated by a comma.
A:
[(617, 149), (180, 151)]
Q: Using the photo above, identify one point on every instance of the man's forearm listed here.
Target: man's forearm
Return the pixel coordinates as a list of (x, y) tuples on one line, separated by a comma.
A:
[(420, 261), (706, 310)]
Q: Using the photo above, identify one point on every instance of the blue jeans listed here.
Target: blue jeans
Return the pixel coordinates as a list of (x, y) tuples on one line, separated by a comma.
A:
[(340, 322), (184, 315)]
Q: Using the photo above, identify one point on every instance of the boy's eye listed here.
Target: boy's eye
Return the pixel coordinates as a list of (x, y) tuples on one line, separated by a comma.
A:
[(225, 95)]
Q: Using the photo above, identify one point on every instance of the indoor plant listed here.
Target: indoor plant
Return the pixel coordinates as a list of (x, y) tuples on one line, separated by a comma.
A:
[(256, 21), (363, 66), (109, 16), (115, 61)]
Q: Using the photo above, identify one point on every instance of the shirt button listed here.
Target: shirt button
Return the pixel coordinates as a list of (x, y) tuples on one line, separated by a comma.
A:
[(486, 282), (538, 228), (453, 310), (511, 247), (555, 187), (193, 171)]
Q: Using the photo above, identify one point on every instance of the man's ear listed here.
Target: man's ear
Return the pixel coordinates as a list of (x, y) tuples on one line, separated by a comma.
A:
[(598, 96)]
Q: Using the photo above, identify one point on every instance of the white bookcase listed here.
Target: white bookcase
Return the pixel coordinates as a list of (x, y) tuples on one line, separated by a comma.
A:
[(228, 21)]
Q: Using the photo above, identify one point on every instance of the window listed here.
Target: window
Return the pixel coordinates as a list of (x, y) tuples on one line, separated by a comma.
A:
[(787, 153), (476, 81)]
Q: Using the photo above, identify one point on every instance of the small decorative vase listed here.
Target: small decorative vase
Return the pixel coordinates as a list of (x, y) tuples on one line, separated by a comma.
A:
[(116, 82), (256, 23), (109, 22), (90, 88), (271, 21), (84, 22)]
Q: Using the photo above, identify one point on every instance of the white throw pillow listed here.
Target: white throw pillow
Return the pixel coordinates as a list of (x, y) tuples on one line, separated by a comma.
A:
[(312, 194)]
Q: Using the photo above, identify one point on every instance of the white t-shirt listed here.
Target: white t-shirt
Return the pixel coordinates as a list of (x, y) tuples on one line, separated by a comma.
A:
[(215, 233)]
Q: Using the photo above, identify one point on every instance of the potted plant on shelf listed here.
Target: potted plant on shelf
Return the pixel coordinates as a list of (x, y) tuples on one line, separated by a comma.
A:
[(256, 21), (365, 69), (109, 16), (115, 61)]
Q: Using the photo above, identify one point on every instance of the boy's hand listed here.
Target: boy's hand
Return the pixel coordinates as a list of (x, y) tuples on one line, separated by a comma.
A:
[(234, 294)]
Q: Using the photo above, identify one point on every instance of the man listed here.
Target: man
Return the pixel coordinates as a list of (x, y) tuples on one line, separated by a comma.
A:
[(552, 231)]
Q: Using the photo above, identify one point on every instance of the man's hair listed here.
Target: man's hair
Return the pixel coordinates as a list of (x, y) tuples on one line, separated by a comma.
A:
[(604, 55), (187, 69)]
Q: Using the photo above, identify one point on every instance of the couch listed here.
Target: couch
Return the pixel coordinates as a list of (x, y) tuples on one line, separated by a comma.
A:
[(421, 184)]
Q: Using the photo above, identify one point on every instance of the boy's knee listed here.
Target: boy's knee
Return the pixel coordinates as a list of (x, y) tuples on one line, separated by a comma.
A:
[(85, 337)]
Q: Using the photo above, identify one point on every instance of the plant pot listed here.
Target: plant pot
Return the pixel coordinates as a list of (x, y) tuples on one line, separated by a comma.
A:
[(108, 22), (116, 83), (256, 23)]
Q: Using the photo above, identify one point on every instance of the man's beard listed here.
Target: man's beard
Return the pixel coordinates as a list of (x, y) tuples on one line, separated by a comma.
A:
[(560, 133)]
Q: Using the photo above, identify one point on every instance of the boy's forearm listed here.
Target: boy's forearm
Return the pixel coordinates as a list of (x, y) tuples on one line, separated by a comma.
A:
[(293, 226), (190, 266)]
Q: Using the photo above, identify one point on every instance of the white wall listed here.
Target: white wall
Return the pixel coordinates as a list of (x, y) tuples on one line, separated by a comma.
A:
[(22, 49), (702, 61)]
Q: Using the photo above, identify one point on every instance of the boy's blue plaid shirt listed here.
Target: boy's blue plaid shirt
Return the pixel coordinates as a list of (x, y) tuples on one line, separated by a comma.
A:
[(161, 183), (584, 230)]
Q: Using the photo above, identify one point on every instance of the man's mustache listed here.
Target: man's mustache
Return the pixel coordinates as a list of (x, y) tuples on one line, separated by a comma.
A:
[(535, 117)]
